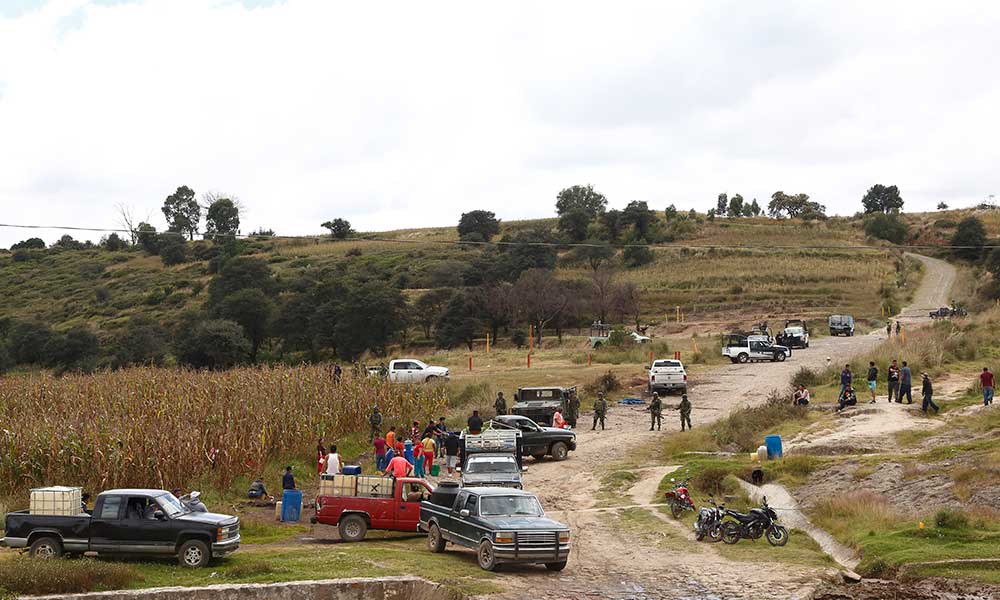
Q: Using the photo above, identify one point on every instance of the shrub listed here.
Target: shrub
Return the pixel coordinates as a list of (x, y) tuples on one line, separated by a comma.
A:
[(101, 294), (24, 575), (743, 428), (353, 252), (885, 227), (519, 338), (807, 377), (950, 518), (258, 567), (214, 344), (637, 255), (617, 338), (607, 382)]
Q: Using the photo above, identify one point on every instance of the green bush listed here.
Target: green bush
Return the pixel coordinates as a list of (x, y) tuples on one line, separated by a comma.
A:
[(807, 377), (606, 383), (23, 575), (949, 518), (744, 429), (617, 338), (885, 227)]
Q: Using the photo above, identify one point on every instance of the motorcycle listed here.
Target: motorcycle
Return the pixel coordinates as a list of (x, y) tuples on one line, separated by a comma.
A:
[(709, 523), (679, 499), (752, 525)]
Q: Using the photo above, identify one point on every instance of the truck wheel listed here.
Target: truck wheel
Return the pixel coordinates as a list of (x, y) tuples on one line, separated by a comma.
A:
[(559, 451), (538, 456), (431, 379), (743, 357), (46, 547), (556, 566), (435, 542), (194, 554), (353, 528), (780, 357), (486, 557)]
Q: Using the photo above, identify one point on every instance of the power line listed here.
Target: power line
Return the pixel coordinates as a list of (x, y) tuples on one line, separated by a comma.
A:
[(509, 243)]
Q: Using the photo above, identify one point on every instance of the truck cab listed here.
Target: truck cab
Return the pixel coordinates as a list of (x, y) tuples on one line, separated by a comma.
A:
[(411, 370), (537, 440), (742, 348), (841, 325), (128, 521), (795, 334), (492, 457), (354, 515)]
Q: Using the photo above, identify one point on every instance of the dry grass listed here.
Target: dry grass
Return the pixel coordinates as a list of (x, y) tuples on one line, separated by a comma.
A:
[(856, 511), (155, 427)]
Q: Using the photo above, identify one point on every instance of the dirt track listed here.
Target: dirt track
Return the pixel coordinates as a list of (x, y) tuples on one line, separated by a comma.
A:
[(608, 563)]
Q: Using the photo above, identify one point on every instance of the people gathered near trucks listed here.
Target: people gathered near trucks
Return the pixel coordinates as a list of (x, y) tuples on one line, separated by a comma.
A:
[(287, 480), (332, 462), (558, 421), (379, 444), (475, 423), (452, 444), (375, 421)]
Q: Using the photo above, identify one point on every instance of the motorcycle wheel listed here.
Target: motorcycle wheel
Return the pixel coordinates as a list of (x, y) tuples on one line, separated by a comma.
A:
[(715, 533), (730, 533), (777, 535), (699, 535), (676, 509)]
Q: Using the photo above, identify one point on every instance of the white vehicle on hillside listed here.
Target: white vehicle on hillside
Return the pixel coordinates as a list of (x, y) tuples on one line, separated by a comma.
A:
[(741, 348), (411, 370), (666, 375)]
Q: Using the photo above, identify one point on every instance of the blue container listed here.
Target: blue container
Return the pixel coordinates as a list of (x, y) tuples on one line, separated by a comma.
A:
[(352, 470), (291, 506), (773, 443)]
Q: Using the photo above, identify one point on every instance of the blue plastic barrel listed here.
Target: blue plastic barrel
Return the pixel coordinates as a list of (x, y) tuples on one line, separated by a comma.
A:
[(352, 470), (773, 443), (291, 506)]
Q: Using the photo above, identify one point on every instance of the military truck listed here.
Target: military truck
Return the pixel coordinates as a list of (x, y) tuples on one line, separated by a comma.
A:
[(540, 403)]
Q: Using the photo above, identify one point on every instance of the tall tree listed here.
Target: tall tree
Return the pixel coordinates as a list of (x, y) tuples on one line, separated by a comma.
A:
[(612, 223), (429, 307), (627, 302), (142, 342), (478, 226), (253, 311), (222, 219), (755, 209), (595, 252), (458, 323), (722, 204), (883, 199), (540, 299), (146, 237), (495, 305), (969, 239), (602, 296), (340, 229), (368, 316), (583, 197), (182, 211), (735, 208), (239, 273), (638, 215), (799, 205)]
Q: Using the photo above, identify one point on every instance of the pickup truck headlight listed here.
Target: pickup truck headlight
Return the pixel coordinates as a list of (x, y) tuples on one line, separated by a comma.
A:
[(563, 537), (504, 537)]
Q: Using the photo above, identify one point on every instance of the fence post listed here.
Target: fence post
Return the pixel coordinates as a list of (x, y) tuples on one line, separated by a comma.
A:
[(487, 343), (470, 362), (529, 360), (589, 359)]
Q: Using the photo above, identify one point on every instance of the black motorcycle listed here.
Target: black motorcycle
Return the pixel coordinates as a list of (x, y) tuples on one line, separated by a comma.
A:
[(709, 523), (752, 525)]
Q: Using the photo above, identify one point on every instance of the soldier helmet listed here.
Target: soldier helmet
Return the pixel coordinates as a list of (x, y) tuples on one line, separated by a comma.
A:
[(655, 395), (600, 394), (684, 396)]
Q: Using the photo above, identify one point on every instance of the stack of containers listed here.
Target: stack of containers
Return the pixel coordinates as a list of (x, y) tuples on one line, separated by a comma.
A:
[(339, 485), (376, 487), (56, 500)]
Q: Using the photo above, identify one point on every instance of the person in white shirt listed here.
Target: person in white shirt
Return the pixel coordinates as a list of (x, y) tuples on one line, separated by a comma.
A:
[(333, 461), (801, 396)]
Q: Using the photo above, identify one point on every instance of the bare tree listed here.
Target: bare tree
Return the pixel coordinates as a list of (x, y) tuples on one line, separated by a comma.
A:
[(495, 305), (602, 291), (541, 298), (627, 302), (128, 220)]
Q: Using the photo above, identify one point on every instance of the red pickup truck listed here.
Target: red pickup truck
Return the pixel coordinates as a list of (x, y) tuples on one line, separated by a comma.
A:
[(355, 515)]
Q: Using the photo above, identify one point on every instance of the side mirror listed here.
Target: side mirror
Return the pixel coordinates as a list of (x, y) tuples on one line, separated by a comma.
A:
[(159, 516), (464, 512)]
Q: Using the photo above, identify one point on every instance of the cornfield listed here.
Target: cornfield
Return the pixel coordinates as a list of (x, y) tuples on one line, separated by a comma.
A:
[(163, 428)]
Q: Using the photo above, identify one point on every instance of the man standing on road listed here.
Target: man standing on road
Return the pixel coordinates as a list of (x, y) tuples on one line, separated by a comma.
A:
[(375, 420), (600, 410), (685, 408), (872, 379), (500, 405), (893, 380), (986, 381), (905, 385), (927, 391), (845, 379), (572, 409), (655, 412)]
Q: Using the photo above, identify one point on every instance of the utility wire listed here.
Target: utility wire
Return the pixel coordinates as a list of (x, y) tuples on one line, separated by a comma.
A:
[(364, 238)]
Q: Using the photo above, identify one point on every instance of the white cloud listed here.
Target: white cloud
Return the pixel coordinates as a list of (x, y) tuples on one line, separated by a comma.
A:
[(407, 114)]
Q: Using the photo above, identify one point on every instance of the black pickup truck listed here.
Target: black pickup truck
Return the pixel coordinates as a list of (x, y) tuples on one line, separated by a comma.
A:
[(502, 525), (539, 441), (132, 522)]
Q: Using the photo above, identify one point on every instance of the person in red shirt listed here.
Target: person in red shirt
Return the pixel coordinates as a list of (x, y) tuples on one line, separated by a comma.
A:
[(379, 444), (986, 381), (399, 467)]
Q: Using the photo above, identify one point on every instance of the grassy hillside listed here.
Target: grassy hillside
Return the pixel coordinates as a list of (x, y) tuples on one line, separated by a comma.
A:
[(821, 275)]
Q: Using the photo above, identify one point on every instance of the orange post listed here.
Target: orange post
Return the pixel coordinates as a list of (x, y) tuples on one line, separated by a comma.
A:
[(589, 359), (531, 338), (677, 355), (529, 360), (470, 362)]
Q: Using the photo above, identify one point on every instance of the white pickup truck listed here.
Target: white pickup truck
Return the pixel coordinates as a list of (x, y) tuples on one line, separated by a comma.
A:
[(411, 370), (666, 375)]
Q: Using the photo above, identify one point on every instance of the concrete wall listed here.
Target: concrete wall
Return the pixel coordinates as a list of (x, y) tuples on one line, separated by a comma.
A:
[(389, 588)]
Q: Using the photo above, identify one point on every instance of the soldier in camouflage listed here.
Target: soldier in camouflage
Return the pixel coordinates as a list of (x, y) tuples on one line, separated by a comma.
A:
[(655, 412), (375, 420), (500, 405), (685, 408), (600, 410), (572, 409)]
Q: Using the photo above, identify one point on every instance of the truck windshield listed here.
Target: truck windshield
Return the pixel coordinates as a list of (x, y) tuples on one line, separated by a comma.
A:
[(498, 506), (171, 505), (492, 465), (666, 363)]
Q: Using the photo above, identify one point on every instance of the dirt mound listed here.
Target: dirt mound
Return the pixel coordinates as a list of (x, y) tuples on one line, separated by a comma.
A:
[(919, 492), (927, 589)]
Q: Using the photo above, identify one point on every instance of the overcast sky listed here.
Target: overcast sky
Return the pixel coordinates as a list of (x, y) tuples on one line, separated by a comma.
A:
[(407, 114)]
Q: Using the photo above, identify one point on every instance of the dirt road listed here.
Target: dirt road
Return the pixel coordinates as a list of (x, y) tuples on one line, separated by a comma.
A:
[(607, 562)]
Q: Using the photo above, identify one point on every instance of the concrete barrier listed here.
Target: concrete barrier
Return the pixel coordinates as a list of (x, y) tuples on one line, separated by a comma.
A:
[(387, 588)]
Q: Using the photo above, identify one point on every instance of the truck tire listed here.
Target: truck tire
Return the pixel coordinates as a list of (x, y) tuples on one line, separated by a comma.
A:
[(538, 456), (486, 557), (435, 541), (352, 528), (46, 547), (194, 554), (779, 357), (743, 357), (556, 566), (431, 379), (559, 451)]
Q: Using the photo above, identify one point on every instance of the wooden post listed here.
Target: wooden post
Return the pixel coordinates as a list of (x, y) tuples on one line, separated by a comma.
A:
[(470, 362), (531, 338), (902, 334), (529, 360), (487, 342), (589, 358), (677, 354), (677, 314)]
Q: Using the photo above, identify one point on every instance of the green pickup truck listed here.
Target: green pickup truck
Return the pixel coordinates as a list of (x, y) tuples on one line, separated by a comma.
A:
[(502, 525)]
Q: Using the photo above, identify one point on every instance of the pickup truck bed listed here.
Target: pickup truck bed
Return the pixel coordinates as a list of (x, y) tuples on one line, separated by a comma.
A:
[(355, 515)]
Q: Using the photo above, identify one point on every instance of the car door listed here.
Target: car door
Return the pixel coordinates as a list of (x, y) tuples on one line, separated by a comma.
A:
[(408, 513), (104, 522), (532, 441), (757, 349), (467, 525), (140, 531)]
